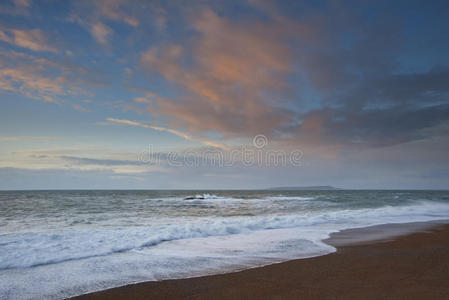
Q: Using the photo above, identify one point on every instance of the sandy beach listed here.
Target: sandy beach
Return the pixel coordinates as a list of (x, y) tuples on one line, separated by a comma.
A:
[(415, 266)]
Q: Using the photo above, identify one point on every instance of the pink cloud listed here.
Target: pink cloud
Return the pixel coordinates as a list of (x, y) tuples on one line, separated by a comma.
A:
[(233, 64), (33, 39)]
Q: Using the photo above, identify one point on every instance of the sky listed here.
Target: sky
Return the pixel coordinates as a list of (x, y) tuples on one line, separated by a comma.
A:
[(248, 94)]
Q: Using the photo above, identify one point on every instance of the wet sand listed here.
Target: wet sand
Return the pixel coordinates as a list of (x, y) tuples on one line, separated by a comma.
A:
[(415, 266)]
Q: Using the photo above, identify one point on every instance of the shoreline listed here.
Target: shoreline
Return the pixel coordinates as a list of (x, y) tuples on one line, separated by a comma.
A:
[(350, 245), (380, 233)]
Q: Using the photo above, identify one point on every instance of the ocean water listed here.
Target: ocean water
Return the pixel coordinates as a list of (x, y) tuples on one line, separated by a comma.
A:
[(56, 244)]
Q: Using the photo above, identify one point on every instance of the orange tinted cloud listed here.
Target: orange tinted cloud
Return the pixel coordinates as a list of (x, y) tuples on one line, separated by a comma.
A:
[(30, 84), (38, 78), (234, 64), (25, 3), (116, 10), (92, 15), (33, 39), (100, 32)]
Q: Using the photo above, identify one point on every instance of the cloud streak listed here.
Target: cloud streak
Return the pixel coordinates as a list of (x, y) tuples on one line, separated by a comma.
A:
[(172, 131)]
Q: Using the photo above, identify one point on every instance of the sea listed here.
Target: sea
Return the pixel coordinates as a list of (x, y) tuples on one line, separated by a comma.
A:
[(58, 244)]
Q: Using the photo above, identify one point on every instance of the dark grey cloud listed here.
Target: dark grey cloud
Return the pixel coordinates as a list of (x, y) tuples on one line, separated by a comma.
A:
[(410, 89), (392, 110), (383, 127)]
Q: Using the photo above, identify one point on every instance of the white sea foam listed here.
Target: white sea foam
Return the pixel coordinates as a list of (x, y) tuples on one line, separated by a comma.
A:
[(214, 198), (36, 248)]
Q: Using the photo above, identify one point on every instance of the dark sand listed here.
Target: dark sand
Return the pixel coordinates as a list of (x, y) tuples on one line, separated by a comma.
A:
[(409, 267)]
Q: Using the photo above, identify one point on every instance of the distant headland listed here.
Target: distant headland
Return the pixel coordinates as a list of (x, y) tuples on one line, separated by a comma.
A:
[(305, 188)]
